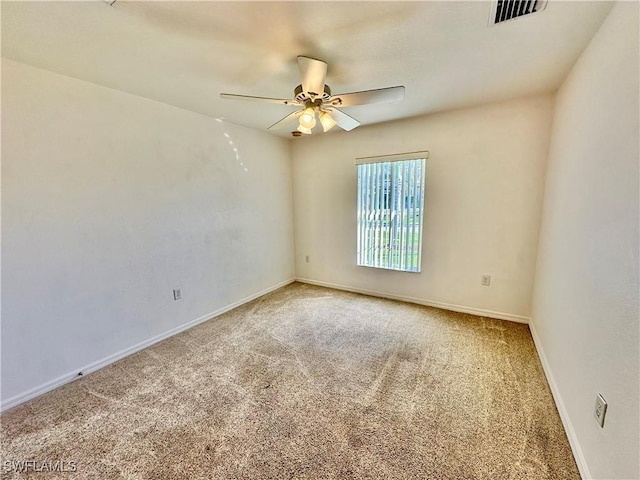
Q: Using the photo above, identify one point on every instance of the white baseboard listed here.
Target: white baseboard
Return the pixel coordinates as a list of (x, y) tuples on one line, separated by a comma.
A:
[(446, 306), (562, 410), (92, 367)]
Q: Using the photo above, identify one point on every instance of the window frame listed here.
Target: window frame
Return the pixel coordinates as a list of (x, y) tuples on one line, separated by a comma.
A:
[(376, 222)]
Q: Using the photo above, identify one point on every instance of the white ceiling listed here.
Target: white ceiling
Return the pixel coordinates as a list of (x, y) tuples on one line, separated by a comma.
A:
[(187, 53)]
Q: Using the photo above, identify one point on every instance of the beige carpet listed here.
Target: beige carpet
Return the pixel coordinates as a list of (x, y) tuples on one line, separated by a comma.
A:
[(308, 383)]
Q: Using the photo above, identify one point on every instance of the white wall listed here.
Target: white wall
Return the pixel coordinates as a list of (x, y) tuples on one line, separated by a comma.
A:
[(585, 304), (110, 201), (485, 178)]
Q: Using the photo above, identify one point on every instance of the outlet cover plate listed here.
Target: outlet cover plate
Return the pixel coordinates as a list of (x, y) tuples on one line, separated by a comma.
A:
[(177, 294)]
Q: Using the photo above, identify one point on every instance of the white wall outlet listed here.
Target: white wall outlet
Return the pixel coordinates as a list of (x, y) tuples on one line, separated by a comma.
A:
[(600, 410), (486, 280), (177, 294), (307, 259)]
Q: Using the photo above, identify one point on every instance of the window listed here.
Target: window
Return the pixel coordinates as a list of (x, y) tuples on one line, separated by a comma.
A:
[(390, 207)]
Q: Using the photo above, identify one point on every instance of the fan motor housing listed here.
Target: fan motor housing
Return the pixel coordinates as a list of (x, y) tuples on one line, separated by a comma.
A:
[(302, 97)]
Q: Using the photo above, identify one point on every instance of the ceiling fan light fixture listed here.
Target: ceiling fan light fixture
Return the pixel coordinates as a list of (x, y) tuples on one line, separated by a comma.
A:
[(305, 130), (308, 118), (324, 105), (327, 121)]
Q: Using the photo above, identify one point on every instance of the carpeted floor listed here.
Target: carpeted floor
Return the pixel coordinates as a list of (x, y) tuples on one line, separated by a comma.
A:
[(308, 383)]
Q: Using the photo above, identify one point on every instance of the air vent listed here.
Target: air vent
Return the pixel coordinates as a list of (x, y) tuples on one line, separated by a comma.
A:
[(503, 10)]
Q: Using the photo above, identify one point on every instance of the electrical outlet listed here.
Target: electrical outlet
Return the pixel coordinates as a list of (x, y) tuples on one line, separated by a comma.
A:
[(486, 280), (307, 259), (600, 410), (177, 294)]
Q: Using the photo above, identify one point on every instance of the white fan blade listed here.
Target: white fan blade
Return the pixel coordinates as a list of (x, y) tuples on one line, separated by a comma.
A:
[(343, 120), (314, 73), (380, 95), (286, 120), (279, 101)]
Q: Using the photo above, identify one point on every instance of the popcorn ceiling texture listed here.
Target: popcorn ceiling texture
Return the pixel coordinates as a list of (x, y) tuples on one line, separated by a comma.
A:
[(308, 383)]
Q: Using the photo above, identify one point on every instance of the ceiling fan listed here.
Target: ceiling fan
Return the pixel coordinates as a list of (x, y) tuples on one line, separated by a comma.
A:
[(314, 98)]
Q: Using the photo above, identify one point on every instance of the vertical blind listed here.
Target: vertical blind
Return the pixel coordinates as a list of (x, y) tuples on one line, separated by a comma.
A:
[(390, 211)]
